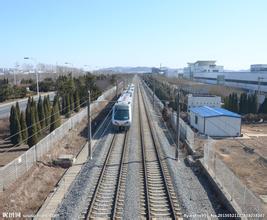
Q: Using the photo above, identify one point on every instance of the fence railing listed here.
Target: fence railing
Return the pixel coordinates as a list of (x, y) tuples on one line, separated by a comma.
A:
[(235, 190), (16, 168)]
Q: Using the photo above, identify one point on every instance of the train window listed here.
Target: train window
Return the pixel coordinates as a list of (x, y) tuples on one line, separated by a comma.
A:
[(121, 114)]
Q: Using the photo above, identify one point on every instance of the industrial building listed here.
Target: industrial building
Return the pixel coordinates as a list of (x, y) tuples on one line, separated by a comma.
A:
[(195, 100), (253, 80), (202, 66), (215, 122)]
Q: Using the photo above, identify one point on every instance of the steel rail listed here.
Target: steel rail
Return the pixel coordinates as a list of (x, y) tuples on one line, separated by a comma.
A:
[(156, 144), (148, 214)]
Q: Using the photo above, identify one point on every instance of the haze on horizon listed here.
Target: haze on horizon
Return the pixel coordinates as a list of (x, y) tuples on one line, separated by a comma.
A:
[(134, 33)]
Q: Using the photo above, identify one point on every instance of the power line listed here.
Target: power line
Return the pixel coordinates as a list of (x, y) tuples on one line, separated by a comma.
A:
[(80, 105)]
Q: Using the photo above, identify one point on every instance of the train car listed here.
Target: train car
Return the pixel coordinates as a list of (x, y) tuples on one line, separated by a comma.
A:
[(122, 111)]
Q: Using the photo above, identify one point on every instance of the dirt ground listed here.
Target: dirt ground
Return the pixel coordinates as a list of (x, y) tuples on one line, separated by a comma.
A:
[(218, 90), (247, 156), (29, 192)]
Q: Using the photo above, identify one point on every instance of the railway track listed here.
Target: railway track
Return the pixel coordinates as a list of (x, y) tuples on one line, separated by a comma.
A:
[(106, 201), (158, 199)]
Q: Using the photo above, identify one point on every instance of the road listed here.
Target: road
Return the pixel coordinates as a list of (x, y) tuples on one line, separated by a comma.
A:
[(5, 108)]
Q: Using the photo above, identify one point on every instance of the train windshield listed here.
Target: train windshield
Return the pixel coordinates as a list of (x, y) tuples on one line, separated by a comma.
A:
[(121, 113)]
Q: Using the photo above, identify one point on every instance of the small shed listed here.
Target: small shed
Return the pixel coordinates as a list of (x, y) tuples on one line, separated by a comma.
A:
[(215, 122)]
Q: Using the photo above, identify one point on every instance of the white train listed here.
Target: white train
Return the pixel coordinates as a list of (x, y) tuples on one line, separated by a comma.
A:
[(122, 110)]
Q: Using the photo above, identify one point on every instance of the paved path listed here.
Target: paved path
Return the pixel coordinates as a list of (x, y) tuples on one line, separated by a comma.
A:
[(5, 107), (53, 200)]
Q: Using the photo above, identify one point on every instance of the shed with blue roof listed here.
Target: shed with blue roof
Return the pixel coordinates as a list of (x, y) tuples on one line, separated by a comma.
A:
[(215, 122)]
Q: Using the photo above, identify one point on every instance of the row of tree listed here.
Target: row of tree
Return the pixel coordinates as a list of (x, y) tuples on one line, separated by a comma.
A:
[(32, 125), (42, 117), (244, 104)]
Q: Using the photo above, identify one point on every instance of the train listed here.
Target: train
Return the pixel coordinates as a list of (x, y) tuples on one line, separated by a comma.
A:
[(122, 109)]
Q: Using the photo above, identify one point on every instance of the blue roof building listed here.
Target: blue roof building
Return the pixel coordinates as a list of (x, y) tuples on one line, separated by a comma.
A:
[(216, 122)]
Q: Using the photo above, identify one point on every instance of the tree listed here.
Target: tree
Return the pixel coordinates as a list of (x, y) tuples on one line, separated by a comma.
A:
[(17, 109), (71, 96), (47, 110), (67, 108), (263, 107), (14, 126), (35, 113), (77, 101), (41, 113), (32, 131), (28, 113), (24, 131), (55, 116)]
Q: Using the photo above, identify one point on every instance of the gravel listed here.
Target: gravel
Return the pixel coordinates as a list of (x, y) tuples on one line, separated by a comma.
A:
[(77, 197), (132, 193), (197, 199), (193, 191)]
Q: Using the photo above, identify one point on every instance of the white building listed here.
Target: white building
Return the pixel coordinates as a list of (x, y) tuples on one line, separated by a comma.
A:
[(208, 72), (258, 68), (203, 100), (203, 66), (215, 122)]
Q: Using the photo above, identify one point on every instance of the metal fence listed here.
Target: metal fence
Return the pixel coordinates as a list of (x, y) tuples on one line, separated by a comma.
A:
[(234, 189), (16, 168)]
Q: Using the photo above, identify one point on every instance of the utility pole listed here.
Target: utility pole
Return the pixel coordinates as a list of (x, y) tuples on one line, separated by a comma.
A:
[(116, 88), (178, 126), (153, 92), (89, 134), (37, 82)]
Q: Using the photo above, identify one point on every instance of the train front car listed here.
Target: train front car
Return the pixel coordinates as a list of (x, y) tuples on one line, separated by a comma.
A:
[(122, 112)]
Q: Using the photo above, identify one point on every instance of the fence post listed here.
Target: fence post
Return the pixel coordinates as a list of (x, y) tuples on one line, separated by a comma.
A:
[(89, 127), (16, 169), (1, 180), (244, 200), (178, 126), (26, 159)]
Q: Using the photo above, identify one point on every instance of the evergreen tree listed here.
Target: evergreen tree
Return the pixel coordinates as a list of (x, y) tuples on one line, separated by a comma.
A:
[(67, 102), (32, 131), (14, 126), (55, 116), (63, 101), (263, 107), (41, 113), (254, 108), (230, 106), (71, 102), (24, 131), (35, 113), (28, 113), (250, 103), (235, 102), (17, 109), (77, 101), (47, 110)]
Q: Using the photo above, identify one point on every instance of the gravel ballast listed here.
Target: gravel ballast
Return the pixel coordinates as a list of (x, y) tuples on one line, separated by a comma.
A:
[(197, 199)]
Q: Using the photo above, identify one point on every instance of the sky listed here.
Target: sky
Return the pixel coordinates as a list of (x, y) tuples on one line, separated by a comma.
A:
[(106, 33)]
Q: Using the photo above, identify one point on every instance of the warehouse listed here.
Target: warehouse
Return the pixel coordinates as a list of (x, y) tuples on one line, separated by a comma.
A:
[(215, 122)]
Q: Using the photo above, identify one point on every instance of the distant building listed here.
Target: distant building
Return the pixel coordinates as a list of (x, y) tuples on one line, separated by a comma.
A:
[(258, 67), (162, 71), (202, 66), (215, 122), (203, 100), (208, 72)]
